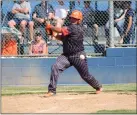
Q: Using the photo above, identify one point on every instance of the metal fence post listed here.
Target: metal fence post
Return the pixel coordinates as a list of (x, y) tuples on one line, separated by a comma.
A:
[(0, 19), (96, 5), (111, 23), (0, 49), (136, 23)]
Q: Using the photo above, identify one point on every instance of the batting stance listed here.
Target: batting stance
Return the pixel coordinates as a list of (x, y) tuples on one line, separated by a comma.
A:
[(73, 53)]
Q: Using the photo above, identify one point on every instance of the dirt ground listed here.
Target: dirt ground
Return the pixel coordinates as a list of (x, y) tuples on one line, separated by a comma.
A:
[(68, 103)]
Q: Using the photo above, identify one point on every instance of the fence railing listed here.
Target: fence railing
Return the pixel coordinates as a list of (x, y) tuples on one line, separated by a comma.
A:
[(105, 23)]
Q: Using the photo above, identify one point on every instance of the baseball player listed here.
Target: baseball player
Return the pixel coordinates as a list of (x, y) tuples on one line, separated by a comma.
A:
[(73, 53)]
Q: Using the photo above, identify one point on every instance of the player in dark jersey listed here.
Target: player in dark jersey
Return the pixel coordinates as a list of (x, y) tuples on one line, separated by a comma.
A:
[(73, 53)]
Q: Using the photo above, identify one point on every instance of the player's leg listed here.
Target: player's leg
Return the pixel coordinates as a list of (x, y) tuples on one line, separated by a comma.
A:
[(23, 24), (127, 38), (31, 29), (95, 34), (61, 64), (11, 24), (96, 29), (81, 65)]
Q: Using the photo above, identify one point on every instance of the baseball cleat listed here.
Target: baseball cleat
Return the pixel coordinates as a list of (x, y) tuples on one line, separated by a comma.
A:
[(49, 94), (99, 90)]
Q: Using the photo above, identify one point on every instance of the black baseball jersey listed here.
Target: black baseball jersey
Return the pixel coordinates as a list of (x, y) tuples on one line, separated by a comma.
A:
[(72, 39)]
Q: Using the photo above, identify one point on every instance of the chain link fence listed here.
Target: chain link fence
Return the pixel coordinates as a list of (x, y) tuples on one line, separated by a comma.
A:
[(105, 24)]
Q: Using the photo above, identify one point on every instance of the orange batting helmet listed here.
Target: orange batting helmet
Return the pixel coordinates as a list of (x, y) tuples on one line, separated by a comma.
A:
[(76, 14)]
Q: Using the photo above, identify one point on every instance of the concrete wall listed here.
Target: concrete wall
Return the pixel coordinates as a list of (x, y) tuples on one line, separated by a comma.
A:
[(119, 66)]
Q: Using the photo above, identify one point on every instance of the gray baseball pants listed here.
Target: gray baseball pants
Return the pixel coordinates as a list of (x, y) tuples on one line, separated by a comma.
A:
[(63, 62)]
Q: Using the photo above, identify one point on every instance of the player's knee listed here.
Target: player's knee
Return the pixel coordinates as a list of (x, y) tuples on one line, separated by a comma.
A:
[(11, 23), (23, 23), (54, 67), (95, 25), (31, 23)]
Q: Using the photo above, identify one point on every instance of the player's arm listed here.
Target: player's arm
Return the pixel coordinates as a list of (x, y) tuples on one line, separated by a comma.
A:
[(22, 10), (26, 9), (14, 9), (127, 30), (56, 29), (121, 17), (129, 25), (35, 15), (41, 20), (63, 30), (59, 37)]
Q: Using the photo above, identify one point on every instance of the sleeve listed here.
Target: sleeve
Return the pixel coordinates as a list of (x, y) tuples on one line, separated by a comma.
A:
[(15, 6), (131, 13), (66, 31)]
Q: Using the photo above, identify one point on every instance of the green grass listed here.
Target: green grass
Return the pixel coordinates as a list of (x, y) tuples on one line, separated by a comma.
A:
[(117, 111), (65, 89)]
